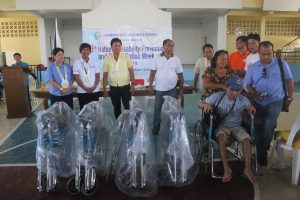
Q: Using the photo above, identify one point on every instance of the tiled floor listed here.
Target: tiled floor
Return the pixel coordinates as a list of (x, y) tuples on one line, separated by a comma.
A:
[(272, 185)]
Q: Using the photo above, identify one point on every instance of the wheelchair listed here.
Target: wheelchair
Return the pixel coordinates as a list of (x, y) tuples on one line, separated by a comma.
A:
[(134, 165), (176, 154), (56, 146), (207, 144), (93, 141)]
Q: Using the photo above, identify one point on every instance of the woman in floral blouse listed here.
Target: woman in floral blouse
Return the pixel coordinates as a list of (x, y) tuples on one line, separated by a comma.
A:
[(215, 77)]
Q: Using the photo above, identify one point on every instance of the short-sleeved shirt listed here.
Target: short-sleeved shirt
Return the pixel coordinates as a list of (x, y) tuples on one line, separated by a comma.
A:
[(271, 83), (118, 72), (53, 75), (167, 71), (90, 69), (234, 118), (251, 59), (237, 61), (201, 65), (23, 64), (214, 78)]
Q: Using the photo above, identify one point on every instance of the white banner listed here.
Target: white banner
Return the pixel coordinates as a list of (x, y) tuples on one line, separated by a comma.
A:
[(140, 43)]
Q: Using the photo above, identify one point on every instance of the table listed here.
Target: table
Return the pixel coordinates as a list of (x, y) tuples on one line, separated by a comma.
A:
[(141, 91)]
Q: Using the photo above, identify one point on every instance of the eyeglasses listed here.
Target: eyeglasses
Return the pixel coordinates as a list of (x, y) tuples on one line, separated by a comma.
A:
[(264, 73)]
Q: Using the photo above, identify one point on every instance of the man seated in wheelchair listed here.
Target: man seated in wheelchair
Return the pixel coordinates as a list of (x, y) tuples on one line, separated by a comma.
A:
[(229, 105)]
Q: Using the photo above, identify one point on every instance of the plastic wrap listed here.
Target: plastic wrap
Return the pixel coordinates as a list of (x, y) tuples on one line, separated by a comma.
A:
[(176, 153), (136, 173), (56, 152), (94, 137)]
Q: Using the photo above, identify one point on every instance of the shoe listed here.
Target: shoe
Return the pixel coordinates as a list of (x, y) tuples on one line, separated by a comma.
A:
[(279, 166)]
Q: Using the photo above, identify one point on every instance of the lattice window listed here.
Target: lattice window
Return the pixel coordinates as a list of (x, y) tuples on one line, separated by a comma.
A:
[(18, 28), (283, 26), (240, 25)]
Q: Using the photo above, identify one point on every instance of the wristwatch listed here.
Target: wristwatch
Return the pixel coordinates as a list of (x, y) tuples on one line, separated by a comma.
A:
[(290, 98)]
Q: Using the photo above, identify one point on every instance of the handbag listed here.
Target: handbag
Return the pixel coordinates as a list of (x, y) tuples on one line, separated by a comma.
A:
[(286, 102)]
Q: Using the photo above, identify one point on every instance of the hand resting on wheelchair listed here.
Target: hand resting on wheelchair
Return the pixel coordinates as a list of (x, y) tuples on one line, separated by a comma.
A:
[(230, 105)]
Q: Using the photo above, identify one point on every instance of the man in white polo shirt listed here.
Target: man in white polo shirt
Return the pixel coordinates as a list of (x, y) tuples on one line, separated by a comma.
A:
[(252, 44), (167, 70)]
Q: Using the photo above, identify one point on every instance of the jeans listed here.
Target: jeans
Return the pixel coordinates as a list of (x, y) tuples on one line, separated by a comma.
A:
[(265, 122), (159, 100)]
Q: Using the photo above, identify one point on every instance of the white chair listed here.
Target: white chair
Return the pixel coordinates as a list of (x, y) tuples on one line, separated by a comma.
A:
[(295, 151)]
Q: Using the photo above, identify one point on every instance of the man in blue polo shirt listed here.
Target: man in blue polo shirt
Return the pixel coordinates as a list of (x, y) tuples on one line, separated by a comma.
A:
[(20, 63), (263, 82)]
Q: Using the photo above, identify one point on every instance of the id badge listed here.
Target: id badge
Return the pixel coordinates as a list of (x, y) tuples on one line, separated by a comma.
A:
[(64, 84), (86, 79)]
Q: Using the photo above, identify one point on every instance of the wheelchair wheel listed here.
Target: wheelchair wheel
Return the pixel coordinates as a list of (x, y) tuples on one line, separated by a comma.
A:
[(91, 191), (200, 140), (43, 183), (70, 185)]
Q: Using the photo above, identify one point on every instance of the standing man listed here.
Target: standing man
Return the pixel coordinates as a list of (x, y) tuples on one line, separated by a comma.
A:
[(167, 70), (27, 71), (201, 65), (237, 60), (252, 44), (118, 68), (87, 75), (263, 82)]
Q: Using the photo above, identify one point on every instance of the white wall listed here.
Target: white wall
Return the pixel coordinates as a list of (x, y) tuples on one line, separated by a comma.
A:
[(116, 13), (72, 38), (279, 5), (188, 42), (228, 4), (43, 41), (210, 30), (222, 28), (53, 4)]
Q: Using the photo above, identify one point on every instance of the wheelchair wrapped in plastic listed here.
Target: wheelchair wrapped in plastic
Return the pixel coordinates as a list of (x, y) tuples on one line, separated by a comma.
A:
[(204, 134), (94, 145), (56, 151), (134, 162), (176, 152)]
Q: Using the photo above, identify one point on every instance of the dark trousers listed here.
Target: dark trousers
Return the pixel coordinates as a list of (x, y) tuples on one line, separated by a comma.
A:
[(265, 122), (68, 99), (85, 98), (116, 95), (28, 96)]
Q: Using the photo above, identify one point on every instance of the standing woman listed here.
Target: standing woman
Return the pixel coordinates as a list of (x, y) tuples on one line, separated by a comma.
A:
[(118, 67), (87, 76), (60, 77), (215, 76)]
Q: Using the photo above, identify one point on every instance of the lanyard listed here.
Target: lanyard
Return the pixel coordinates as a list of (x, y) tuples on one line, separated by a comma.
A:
[(87, 71), (60, 74)]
